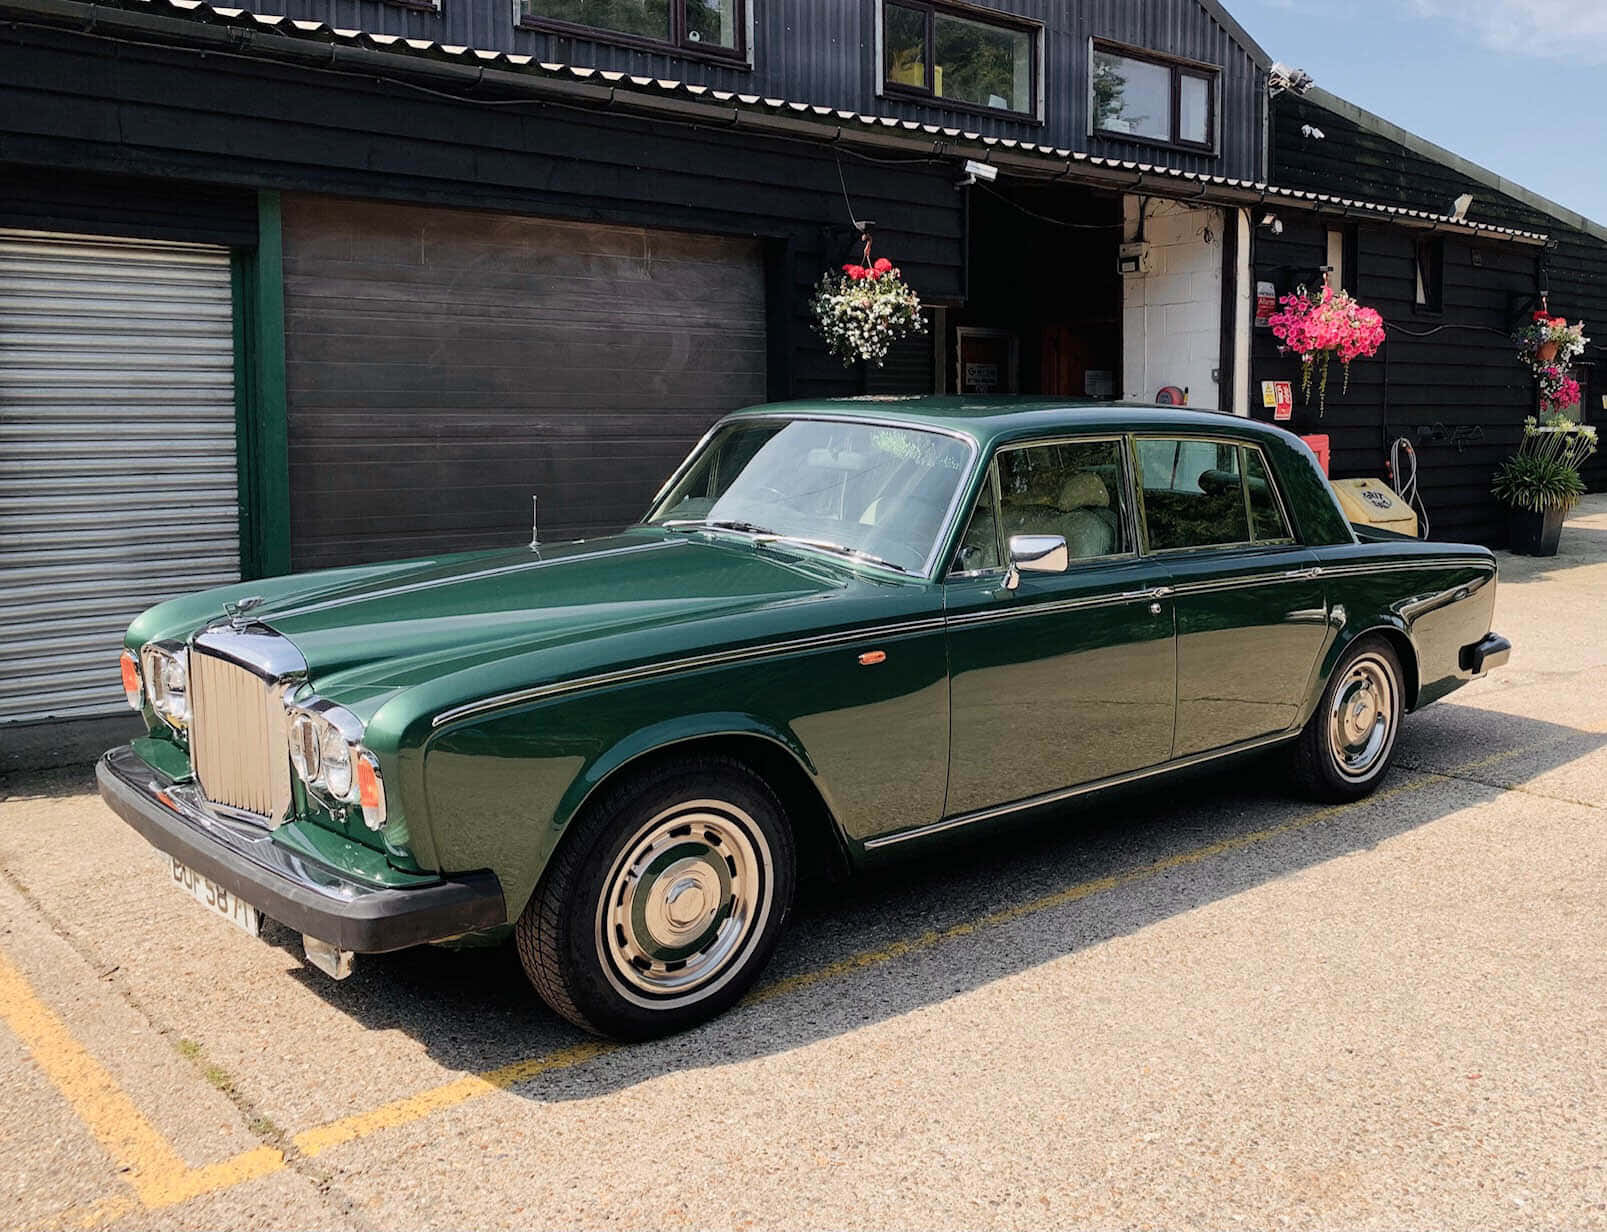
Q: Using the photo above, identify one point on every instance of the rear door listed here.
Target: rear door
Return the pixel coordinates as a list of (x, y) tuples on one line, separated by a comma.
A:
[(1252, 616), (1069, 678)]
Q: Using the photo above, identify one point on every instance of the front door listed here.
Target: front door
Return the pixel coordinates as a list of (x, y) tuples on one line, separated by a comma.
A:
[(1252, 616), (1069, 678)]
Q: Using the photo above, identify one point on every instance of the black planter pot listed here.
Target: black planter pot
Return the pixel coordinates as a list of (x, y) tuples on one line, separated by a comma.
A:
[(1537, 534)]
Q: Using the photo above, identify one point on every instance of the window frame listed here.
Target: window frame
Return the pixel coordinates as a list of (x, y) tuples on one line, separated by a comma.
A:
[(676, 45), (1128, 504), (927, 94), (1430, 282), (1250, 544), (1179, 67)]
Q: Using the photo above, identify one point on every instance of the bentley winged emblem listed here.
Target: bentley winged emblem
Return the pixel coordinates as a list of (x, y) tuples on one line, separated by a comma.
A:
[(239, 611)]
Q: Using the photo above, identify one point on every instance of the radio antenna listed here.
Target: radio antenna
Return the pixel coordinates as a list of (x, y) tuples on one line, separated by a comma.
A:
[(535, 523)]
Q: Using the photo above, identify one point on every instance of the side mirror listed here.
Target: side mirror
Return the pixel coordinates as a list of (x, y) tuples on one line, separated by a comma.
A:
[(1036, 554)]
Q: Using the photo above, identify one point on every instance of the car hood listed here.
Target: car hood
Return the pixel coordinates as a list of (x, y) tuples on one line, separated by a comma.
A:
[(367, 633)]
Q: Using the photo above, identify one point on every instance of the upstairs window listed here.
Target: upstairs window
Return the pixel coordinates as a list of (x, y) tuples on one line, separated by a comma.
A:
[(1431, 274), (1141, 97), (960, 57), (701, 26)]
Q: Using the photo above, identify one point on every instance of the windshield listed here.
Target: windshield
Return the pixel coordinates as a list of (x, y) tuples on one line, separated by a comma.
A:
[(874, 490)]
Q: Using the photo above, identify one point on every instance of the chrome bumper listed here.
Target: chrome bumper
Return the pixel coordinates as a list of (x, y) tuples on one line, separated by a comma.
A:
[(1490, 652), (313, 899)]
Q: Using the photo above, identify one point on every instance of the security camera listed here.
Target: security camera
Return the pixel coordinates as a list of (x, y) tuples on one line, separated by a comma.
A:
[(1281, 78), (1273, 224), (975, 171), (1312, 133)]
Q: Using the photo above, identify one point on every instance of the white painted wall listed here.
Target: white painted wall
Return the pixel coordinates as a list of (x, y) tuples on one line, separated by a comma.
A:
[(1172, 316)]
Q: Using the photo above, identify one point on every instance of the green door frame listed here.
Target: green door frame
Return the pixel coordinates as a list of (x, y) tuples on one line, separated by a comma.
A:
[(261, 428)]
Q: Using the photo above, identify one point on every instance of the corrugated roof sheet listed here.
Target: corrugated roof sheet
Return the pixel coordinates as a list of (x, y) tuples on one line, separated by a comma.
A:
[(843, 125)]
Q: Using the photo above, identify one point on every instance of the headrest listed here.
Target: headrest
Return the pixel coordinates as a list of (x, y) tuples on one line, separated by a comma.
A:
[(1084, 490)]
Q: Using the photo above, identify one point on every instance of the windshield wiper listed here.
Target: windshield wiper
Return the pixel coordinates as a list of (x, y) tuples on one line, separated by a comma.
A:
[(842, 549), (742, 528)]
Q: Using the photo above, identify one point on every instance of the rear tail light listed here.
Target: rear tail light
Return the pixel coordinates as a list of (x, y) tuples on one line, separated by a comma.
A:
[(132, 688)]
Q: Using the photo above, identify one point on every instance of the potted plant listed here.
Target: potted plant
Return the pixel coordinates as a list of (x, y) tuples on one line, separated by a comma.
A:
[(1541, 482), (1550, 342), (862, 311), (1322, 327)]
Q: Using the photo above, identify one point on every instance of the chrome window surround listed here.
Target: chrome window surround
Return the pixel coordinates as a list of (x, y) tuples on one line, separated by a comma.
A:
[(1131, 522), (946, 528), (1236, 546)]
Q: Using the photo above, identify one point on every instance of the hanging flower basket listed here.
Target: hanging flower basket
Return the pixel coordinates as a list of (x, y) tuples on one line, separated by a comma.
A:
[(862, 311), (1550, 341), (1321, 327)]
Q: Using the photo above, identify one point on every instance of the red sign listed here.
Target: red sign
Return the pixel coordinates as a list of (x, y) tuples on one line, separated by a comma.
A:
[(1283, 408), (1266, 304)]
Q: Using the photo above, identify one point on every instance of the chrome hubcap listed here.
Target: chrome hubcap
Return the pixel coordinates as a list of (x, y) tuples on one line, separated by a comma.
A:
[(684, 902), (1361, 725)]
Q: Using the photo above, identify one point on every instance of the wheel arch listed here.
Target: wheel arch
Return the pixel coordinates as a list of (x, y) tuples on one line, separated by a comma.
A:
[(1399, 640), (784, 767)]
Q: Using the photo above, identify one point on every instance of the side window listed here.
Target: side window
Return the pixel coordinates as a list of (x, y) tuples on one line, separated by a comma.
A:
[(1266, 514), (1193, 494), (1071, 489), (979, 549)]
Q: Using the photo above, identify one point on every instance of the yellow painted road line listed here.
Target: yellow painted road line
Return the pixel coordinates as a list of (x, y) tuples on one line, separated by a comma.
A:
[(148, 1163), (161, 1179)]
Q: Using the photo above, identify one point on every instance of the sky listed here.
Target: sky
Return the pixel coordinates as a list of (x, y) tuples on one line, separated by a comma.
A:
[(1518, 86)]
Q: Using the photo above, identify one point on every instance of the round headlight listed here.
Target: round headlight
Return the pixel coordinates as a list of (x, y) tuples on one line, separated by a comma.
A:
[(167, 683), (336, 758), (306, 743)]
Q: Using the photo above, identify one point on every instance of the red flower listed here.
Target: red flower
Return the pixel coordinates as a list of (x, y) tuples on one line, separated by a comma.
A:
[(856, 272), (883, 265)]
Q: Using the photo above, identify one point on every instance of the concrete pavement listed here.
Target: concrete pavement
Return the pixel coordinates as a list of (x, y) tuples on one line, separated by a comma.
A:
[(1203, 1006)]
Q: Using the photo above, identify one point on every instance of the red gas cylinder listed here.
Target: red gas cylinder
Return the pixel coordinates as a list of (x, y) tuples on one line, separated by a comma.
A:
[(1319, 446)]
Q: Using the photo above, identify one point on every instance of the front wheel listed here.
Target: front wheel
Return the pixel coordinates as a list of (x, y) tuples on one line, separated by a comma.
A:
[(664, 904), (1350, 741)]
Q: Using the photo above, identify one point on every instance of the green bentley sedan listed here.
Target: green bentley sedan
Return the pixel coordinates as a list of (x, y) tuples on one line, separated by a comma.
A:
[(843, 630)]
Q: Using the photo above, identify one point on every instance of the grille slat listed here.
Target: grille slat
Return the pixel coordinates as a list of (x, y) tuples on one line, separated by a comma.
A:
[(238, 736)]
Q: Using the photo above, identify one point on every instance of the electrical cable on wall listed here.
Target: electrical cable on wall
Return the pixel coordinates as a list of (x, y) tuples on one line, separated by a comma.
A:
[(1404, 480)]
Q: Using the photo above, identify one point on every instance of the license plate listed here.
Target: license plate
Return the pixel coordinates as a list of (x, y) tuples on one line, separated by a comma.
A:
[(214, 897)]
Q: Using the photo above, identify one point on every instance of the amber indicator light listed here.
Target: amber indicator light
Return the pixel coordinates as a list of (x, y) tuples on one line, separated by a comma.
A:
[(367, 784), (130, 674), (872, 657)]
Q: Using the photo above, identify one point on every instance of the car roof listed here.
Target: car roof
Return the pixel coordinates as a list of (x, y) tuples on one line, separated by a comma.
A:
[(990, 419)]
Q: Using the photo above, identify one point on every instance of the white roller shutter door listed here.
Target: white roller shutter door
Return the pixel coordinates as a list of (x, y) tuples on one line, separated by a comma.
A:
[(118, 483)]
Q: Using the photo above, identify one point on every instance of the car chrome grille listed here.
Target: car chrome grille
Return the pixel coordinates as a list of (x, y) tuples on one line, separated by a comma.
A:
[(238, 736)]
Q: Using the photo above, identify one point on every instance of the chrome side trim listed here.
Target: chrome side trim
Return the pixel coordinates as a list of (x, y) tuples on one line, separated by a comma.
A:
[(719, 658), (1404, 566), (1056, 607), (1070, 793)]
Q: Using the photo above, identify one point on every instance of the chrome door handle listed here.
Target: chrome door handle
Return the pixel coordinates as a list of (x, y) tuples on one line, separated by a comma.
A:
[(1304, 573), (1162, 592)]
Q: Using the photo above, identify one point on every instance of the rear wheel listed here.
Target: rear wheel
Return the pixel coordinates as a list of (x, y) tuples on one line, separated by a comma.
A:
[(664, 903), (1350, 741)]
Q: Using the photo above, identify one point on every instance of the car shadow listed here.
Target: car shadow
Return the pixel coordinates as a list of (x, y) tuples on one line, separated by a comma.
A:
[(869, 950)]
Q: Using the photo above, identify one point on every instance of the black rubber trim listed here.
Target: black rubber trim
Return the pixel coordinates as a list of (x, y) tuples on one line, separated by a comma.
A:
[(351, 915), (1489, 652)]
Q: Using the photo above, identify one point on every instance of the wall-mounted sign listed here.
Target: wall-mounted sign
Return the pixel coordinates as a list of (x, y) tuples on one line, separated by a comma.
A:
[(1279, 398), (1266, 304), (982, 378)]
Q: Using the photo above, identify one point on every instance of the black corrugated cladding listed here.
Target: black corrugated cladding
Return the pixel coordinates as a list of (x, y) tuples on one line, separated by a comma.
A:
[(824, 52), (244, 121), (1455, 373)]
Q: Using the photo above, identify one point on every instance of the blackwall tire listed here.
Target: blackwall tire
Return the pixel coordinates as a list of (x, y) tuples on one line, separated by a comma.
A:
[(664, 902), (1349, 743)]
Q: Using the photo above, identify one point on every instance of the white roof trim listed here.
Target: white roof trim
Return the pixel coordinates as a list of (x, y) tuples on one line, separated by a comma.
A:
[(1381, 127)]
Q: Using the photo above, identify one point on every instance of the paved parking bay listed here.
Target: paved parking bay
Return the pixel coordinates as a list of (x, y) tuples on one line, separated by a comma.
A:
[(1209, 1005)]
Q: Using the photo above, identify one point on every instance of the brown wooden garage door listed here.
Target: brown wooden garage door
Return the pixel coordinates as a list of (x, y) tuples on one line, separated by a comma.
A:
[(443, 365)]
